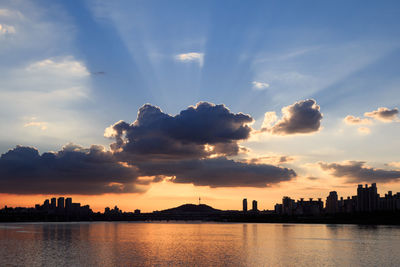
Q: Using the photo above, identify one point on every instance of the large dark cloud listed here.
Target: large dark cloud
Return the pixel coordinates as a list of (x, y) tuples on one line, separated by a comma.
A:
[(300, 118), (383, 114), (182, 146), (73, 170), (356, 171), (219, 172), (196, 132)]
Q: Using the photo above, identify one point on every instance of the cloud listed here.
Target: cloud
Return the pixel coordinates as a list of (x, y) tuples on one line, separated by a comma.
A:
[(40, 124), (51, 89), (269, 119), (66, 66), (219, 172), (7, 13), (300, 118), (191, 57), (364, 130), (73, 170), (394, 164), (383, 114), (260, 85), (356, 120), (192, 147), (6, 29), (271, 159), (196, 132), (60, 79), (356, 171)]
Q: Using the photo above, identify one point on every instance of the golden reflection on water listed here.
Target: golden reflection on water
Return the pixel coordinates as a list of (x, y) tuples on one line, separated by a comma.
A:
[(197, 244)]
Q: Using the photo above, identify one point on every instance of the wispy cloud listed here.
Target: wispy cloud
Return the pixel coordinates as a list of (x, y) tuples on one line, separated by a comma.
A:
[(260, 85), (6, 29), (63, 66), (42, 125), (356, 120), (364, 130), (394, 164), (8, 13), (191, 57)]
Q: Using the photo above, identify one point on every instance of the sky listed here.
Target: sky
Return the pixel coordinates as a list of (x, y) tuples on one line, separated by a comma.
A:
[(153, 104)]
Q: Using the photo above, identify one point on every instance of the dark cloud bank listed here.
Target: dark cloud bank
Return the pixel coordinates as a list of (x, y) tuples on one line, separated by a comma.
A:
[(191, 147), (74, 170), (356, 171)]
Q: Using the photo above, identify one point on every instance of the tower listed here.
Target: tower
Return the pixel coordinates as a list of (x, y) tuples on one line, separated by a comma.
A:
[(332, 202), (245, 204), (53, 204), (68, 203), (60, 203), (254, 207)]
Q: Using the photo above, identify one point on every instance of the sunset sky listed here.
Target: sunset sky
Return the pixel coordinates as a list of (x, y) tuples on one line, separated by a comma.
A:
[(153, 104)]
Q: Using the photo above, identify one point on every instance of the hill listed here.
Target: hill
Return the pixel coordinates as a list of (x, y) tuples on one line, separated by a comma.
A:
[(191, 208)]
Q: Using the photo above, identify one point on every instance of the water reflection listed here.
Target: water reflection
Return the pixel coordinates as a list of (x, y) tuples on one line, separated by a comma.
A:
[(196, 244)]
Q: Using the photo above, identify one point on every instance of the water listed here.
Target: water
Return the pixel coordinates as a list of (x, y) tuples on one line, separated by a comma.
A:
[(197, 244)]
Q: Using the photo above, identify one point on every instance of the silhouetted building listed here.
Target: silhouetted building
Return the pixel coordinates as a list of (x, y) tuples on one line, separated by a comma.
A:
[(137, 211), (332, 202), (245, 204), (390, 202), (367, 198), (60, 203), (310, 207), (278, 208), (301, 207), (254, 207), (46, 204), (68, 203), (288, 206), (53, 204), (114, 211)]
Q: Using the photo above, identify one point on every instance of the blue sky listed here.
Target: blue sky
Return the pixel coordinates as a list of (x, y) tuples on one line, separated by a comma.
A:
[(70, 69)]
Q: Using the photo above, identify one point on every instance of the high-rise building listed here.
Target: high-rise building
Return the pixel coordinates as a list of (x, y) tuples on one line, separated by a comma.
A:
[(288, 205), (367, 198), (60, 203), (245, 204), (46, 204), (53, 204), (254, 207), (332, 202), (68, 203)]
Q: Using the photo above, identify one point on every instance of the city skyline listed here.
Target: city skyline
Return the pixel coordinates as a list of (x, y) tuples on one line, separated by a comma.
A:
[(367, 199), (157, 104)]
